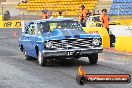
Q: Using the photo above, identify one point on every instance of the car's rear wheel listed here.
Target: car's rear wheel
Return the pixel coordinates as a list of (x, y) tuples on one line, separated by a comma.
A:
[(93, 58), (26, 56), (41, 60)]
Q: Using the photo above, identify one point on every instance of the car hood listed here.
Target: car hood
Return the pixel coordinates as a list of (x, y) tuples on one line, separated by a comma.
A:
[(59, 34)]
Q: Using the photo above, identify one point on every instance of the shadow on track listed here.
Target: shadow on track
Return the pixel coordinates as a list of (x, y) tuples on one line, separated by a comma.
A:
[(66, 63)]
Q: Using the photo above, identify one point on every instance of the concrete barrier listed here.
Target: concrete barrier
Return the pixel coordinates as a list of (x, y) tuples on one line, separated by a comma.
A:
[(124, 43), (1, 17), (102, 32), (120, 30)]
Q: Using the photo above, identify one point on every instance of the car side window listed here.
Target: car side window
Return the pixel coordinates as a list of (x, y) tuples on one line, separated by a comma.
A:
[(53, 26), (43, 27)]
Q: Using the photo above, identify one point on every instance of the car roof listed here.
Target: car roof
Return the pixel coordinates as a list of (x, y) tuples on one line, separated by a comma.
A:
[(54, 19)]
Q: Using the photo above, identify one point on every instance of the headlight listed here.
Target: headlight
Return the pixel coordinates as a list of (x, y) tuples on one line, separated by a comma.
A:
[(48, 45), (96, 42)]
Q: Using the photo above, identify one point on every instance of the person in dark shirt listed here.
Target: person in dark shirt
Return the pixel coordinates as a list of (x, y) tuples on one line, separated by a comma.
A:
[(7, 15)]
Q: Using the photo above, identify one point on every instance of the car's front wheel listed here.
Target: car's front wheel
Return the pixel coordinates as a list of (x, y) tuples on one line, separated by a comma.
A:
[(93, 58), (41, 60)]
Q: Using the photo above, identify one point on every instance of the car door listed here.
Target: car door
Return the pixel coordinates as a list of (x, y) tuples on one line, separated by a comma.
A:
[(26, 42), (31, 38), (31, 45), (28, 39)]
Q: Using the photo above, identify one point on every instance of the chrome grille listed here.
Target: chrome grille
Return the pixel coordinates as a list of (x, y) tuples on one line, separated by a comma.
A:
[(72, 43)]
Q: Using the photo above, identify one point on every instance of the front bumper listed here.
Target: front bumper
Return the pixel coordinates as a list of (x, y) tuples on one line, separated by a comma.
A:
[(71, 52)]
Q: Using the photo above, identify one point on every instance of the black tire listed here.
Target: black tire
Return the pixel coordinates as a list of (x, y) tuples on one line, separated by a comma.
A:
[(21, 47), (26, 56), (41, 60), (93, 58)]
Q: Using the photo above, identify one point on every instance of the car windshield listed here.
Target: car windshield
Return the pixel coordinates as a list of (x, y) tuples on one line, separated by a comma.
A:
[(96, 19), (51, 25)]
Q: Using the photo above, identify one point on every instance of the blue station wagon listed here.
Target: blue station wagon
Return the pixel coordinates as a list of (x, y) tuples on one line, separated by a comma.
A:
[(58, 38)]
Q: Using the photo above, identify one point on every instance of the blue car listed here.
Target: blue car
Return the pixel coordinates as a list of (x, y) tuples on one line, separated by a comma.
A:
[(58, 38)]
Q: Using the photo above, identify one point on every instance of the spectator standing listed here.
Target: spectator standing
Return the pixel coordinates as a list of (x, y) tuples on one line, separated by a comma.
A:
[(104, 19), (83, 15), (60, 15), (44, 14), (7, 15), (105, 22)]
